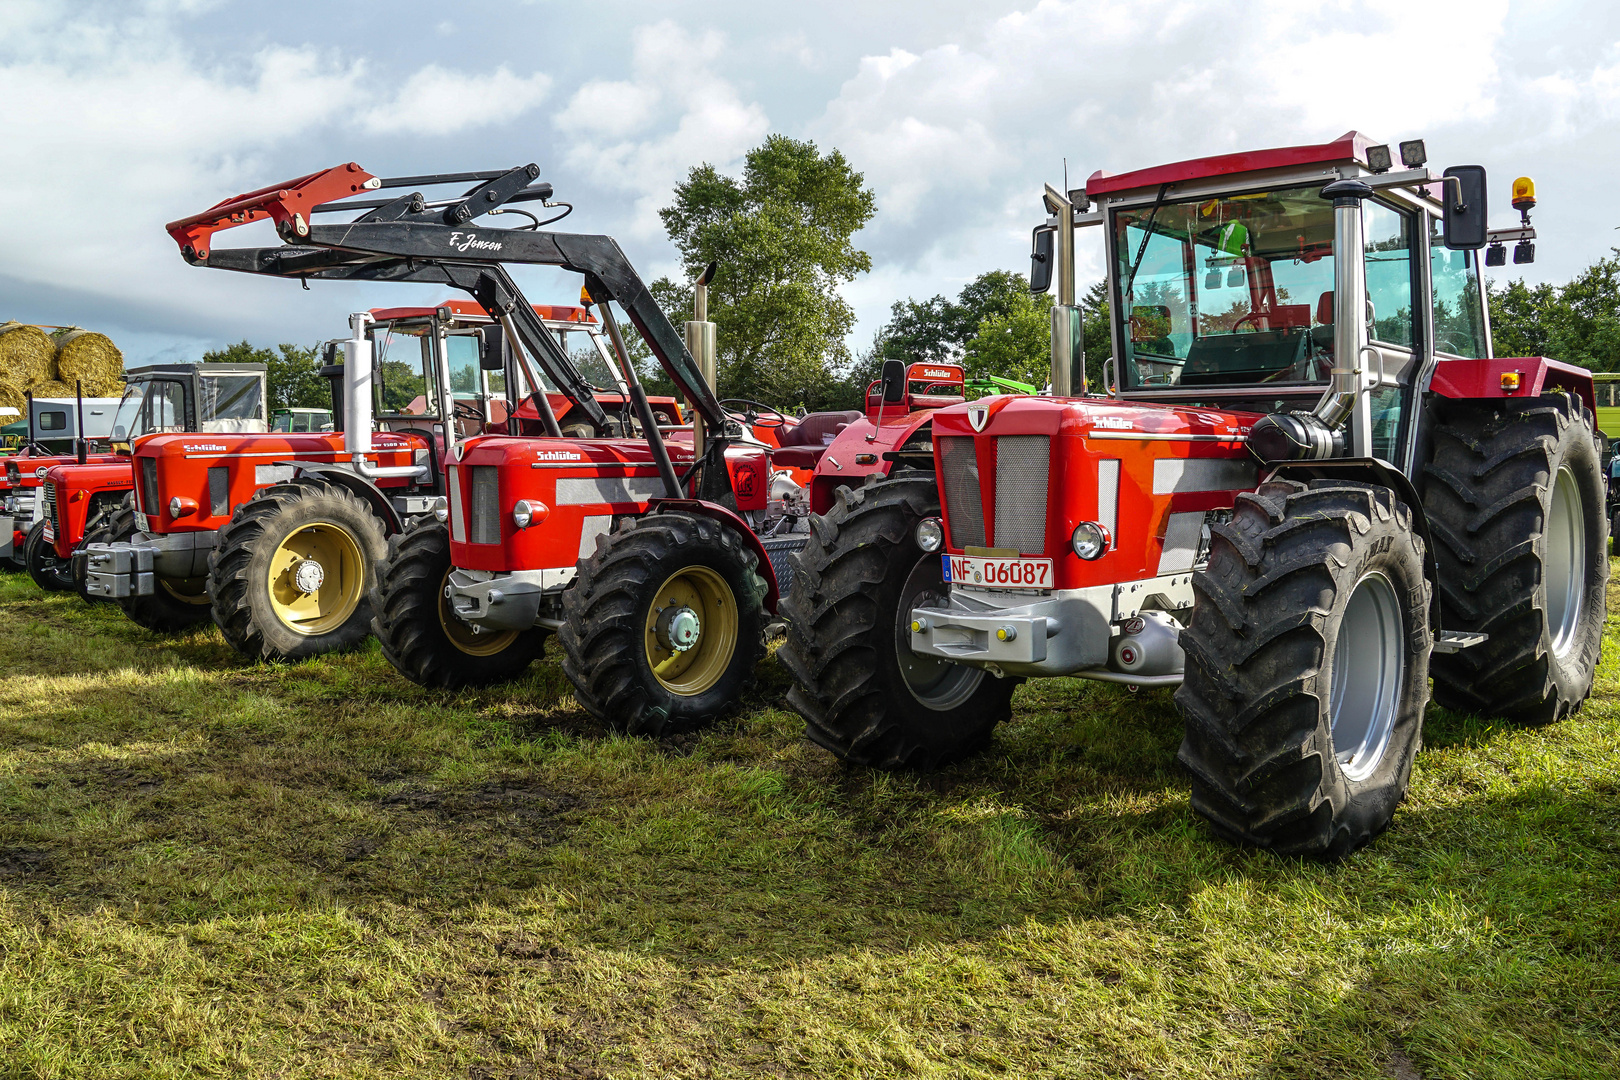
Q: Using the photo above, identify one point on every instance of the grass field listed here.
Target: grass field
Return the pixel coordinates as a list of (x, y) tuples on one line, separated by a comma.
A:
[(212, 868)]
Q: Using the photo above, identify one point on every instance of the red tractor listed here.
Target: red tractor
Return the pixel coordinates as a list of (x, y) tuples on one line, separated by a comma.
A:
[(1312, 489)]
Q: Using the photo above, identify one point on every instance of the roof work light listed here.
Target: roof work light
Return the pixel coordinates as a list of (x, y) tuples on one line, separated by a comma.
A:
[(1413, 154)]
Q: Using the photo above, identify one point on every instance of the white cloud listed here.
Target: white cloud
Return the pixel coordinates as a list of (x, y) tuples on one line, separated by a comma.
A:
[(436, 100), (693, 115)]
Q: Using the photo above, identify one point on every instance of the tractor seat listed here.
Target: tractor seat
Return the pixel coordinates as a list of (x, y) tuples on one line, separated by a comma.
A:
[(801, 445)]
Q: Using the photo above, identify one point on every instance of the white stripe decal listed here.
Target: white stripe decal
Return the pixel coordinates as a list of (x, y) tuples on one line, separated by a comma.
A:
[(1172, 476), (595, 525), (1181, 539), (581, 491), (458, 527), (1108, 496)]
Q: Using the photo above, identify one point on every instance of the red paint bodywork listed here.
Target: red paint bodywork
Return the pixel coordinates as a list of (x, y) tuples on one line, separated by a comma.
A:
[(1072, 488), (77, 488), (1483, 379), (29, 477), (1351, 146)]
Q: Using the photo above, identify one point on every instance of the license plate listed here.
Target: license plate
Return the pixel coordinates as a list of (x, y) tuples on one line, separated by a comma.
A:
[(997, 573)]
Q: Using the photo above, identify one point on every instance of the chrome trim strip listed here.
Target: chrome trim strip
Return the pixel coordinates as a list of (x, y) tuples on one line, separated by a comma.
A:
[(1155, 436)]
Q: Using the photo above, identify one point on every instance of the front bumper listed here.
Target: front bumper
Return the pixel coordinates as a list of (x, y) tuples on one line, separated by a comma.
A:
[(7, 541), (508, 601), (1065, 632), (132, 568)]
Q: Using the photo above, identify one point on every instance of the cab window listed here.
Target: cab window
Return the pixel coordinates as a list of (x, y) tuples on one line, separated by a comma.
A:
[(165, 408), (1459, 326), (230, 402), (403, 360), (1387, 259)]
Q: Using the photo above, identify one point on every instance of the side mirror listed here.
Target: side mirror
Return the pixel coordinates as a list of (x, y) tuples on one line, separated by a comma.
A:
[(894, 381), (1463, 194), (329, 353), (492, 348), (1042, 258)]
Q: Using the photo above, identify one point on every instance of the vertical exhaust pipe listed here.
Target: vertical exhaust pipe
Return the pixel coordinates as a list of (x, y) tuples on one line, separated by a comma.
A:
[(701, 343), (1065, 316), (81, 449), (357, 388)]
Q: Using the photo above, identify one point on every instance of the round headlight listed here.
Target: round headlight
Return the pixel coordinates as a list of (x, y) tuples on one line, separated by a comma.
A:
[(441, 508), (522, 514), (175, 507), (1090, 540), (930, 534)]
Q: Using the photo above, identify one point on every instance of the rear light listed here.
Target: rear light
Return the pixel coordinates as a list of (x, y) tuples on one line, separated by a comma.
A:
[(1510, 382)]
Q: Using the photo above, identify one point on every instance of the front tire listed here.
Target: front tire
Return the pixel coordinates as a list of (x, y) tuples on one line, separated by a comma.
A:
[(1307, 667), (419, 633), (664, 624), (49, 571), (863, 693), (1515, 501), (292, 571)]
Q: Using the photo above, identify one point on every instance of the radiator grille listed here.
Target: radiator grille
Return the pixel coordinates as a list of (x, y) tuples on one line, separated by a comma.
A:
[(50, 508), (1022, 462), (149, 489), (486, 505), (963, 504)]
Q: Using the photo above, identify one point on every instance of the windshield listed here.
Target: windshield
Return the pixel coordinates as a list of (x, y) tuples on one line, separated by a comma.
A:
[(402, 363), (230, 403), (147, 407), (1227, 291), (589, 353)]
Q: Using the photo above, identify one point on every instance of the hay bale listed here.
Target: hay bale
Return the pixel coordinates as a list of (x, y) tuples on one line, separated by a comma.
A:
[(87, 355), (11, 394), (54, 388), (27, 356)]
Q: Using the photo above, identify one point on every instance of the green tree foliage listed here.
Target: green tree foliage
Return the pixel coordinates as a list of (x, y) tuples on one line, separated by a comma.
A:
[(1578, 322), (293, 375), (782, 235)]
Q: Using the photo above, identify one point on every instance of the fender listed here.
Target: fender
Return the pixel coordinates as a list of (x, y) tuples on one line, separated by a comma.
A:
[(1382, 474), (736, 524), (1536, 376), (356, 483)]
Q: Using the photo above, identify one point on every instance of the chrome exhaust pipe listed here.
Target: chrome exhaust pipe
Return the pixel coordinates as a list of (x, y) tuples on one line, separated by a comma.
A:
[(1349, 307)]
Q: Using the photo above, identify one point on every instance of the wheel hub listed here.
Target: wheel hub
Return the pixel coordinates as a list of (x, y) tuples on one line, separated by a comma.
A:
[(309, 576), (679, 628)]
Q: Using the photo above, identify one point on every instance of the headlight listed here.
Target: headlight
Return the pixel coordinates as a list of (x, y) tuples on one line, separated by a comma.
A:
[(441, 509), (1090, 540), (522, 514), (930, 534)]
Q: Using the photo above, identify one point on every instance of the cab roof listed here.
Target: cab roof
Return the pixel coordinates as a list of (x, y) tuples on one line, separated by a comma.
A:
[(472, 309), (1347, 148)]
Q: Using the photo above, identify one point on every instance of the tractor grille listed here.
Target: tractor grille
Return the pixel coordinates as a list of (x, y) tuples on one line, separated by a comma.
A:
[(458, 517), (50, 507), (1022, 462), (486, 505), (149, 489), (962, 499)]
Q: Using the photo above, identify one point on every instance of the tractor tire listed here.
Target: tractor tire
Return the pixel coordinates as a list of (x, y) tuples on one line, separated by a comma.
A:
[(49, 571), (863, 693), (1307, 667), (1614, 534), (174, 605), (1515, 502), (634, 601), (265, 603), (419, 633)]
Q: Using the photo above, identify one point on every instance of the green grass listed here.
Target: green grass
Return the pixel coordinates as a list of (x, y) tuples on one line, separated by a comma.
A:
[(213, 868)]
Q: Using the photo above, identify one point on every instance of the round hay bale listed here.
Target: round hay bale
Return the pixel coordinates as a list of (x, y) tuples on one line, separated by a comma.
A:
[(53, 388), (11, 394), (87, 355), (27, 356)]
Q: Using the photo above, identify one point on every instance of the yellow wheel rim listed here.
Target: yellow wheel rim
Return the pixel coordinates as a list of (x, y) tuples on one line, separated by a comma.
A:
[(317, 577), (694, 607), (191, 590), (462, 636)]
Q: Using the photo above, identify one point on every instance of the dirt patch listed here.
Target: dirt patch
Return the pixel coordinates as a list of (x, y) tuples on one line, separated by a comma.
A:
[(30, 864)]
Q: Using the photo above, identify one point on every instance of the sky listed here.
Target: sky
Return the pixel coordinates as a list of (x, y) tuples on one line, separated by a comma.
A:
[(121, 116)]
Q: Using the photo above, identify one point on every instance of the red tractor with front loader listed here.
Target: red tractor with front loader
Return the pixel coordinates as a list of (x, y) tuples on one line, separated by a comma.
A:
[(1309, 488)]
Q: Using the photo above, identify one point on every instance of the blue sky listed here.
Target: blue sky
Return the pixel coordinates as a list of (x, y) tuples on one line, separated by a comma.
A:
[(119, 117)]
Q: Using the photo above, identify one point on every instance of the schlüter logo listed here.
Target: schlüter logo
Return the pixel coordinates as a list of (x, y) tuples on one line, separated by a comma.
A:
[(1114, 423), (558, 455), (194, 447), (934, 373), (472, 242)]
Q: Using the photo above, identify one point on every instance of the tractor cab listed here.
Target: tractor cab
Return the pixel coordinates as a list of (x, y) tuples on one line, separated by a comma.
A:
[(301, 420), (212, 398)]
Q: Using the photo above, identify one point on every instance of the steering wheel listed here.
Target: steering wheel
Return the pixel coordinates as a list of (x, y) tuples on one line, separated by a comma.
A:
[(1254, 315), (754, 418)]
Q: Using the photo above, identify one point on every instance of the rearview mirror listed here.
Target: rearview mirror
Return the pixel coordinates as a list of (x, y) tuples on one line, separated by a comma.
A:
[(492, 348), (1464, 200), (1041, 258), (894, 381)]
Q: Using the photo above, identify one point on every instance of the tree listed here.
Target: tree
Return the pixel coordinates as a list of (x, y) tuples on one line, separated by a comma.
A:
[(1578, 322), (293, 375), (782, 235)]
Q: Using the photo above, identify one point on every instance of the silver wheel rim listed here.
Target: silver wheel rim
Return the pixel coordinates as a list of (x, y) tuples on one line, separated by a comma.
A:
[(1564, 568), (938, 684), (1368, 665)]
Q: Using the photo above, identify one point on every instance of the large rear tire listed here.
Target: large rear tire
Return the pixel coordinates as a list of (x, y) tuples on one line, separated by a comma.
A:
[(49, 571), (174, 605), (1514, 495), (292, 572), (664, 624), (1307, 667), (420, 634), (863, 693)]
